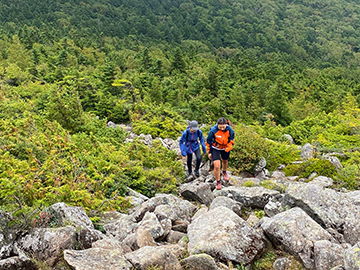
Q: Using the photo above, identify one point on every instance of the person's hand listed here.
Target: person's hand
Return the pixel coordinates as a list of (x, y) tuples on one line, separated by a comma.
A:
[(209, 155)]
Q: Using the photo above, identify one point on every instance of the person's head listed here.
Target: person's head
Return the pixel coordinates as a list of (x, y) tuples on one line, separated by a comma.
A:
[(193, 126), (222, 123)]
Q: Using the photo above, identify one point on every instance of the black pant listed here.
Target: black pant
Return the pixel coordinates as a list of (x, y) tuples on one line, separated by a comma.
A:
[(198, 160)]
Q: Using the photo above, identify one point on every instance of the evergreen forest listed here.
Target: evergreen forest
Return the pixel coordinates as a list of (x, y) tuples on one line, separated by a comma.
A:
[(271, 67)]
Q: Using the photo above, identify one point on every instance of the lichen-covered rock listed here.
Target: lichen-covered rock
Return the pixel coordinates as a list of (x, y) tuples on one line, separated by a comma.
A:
[(200, 262), (307, 151), (256, 197), (86, 237), (197, 191), (16, 263), (329, 255), (20, 262), (322, 181), (97, 259), (151, 224), (146, 257), (71, 215), (225, 236), (139, 239), (181, 209), (7, 236), (329, 208), (296, 232), (174, 237), (47, 244), (228, 203), (122, 227), (274, 206), (354, 196), (352, 258), (111, 243), (280, 264)]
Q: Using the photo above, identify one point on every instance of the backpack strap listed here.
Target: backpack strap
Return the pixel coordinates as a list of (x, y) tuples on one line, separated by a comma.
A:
[(187, 134)]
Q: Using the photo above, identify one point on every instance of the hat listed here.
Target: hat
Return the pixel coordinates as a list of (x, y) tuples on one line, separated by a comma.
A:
[(193, 125)]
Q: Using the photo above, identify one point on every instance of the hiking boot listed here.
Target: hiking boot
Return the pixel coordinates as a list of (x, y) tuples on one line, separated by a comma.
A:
[(197, 174), (188, 174), (226, 176), (218, 185)]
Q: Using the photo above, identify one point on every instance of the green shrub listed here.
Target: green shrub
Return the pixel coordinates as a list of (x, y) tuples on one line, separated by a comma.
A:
[(259, 214), (349, 176), (248, 149), (303, 170), (272, 185), (265, 261), (158, 121), (249, 183), (280, 153)]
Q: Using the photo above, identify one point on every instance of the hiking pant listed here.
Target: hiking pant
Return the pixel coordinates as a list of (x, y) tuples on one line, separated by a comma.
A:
[(198, 160)]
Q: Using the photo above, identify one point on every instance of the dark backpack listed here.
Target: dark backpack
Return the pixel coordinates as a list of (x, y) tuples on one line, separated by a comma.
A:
[(187, 134)]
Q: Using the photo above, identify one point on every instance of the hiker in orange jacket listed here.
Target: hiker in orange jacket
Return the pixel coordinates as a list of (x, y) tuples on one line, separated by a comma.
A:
[(219, 143)]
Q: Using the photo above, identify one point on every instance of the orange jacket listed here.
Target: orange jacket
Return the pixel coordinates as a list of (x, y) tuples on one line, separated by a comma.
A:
[(219, 139)]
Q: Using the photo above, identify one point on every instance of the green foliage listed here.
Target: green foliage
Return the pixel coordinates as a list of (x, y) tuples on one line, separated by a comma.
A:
[(63, 105), (249, 183), (272, 185), (280, 153), (350, 173), (336, 130), (259, 214), (248, 149), (42, 164), (65, 70), (158, 121), (303, 170), (265, 261)]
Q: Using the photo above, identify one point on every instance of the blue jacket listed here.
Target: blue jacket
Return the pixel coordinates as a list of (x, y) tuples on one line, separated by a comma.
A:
[(189, 142)]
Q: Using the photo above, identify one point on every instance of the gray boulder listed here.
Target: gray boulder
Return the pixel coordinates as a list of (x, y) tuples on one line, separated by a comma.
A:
[(354, 196), (97, 259), (322, 181), (296, 232), (329, 208), (7, 236), (328, 255), (174, 237), (121, 228), (225, 236), (48, 244), (71, 215), (200, 262), (289, 138), (228, 203), (135, 197), (146, 257), (274, 206), (151, 224), (197, 191), (256, 197), (17, 263), (182, 209), (334, 160), (111, 243), (85, 237), (139, 239), (352, 258), (307, 151)]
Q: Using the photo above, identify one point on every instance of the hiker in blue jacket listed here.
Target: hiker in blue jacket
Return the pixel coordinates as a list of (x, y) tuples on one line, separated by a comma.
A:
[(189, 144)]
